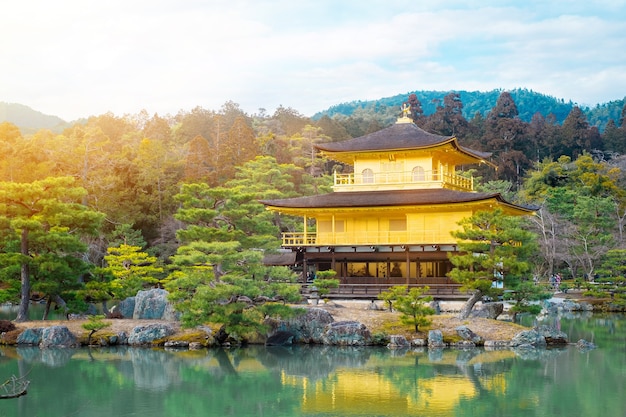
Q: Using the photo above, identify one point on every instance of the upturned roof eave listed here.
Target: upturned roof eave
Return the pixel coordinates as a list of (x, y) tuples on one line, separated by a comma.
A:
[(453, 141), (303, 205)]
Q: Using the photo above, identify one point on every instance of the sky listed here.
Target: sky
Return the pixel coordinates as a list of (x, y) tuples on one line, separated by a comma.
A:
[(78, 58)]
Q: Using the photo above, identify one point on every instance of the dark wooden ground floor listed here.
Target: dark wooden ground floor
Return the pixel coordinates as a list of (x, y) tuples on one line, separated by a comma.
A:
[(366, 271)]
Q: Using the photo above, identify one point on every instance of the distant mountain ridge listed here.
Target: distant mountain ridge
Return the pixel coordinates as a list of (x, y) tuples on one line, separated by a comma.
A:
[(528, 103), (27, 119)]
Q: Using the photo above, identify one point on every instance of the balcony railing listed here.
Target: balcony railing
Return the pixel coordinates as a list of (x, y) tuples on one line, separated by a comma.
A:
[(402, 179), (418, 237), (299, 239)]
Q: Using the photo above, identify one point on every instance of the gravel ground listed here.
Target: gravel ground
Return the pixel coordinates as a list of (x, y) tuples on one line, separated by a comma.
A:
[(378, 319), (374, 316)]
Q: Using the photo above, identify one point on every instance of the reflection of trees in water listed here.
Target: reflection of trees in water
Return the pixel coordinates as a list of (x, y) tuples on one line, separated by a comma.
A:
[(231, 388), (314, 362)]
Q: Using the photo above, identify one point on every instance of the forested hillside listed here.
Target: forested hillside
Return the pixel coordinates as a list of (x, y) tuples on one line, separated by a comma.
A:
[(528, 103)]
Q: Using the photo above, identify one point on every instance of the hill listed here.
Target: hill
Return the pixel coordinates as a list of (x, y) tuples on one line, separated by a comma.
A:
[(528, 103), (29, 120)]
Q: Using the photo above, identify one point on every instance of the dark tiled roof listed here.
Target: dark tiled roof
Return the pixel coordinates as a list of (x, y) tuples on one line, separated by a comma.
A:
[(396, 137), (384, 198)]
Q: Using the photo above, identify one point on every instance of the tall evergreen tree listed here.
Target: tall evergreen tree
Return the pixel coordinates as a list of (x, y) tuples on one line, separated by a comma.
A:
[(492, 247), (45, 220), (506, 136)]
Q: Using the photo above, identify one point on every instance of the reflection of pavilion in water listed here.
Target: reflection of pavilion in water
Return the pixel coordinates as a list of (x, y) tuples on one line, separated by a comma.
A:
[(408, 389), (365, 382)]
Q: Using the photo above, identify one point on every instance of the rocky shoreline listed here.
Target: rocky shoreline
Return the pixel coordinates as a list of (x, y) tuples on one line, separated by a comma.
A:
[(345, 323)]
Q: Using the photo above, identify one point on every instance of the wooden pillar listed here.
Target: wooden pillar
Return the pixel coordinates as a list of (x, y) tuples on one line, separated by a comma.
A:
[(417, 272), (388, 272), (305, 231), (408, 266)]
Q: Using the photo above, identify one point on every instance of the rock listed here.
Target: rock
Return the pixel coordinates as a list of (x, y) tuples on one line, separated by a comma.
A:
[(176, 344), (126, 308), (57, 337), (528, 339), (551, 335), (120, 339), (464, 344), (346, 333), (419, 342), (153, 304), (435, 339), (467, 334), (31, 337), (585, 345), (195, 346), (488, 310), (398, 342), (281, 338), (307, 328), (145, 335)]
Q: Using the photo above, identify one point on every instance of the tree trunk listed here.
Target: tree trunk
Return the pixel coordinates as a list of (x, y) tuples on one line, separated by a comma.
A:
[(105, 309), (22, 313), (47, 309), (60, 304), (469, 305)]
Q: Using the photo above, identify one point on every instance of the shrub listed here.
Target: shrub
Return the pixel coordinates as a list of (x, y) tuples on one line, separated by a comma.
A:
[(6, 326), (413, 308), (94, 324)]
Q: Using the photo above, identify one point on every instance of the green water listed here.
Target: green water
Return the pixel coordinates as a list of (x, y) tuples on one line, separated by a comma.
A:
[(323, 381)]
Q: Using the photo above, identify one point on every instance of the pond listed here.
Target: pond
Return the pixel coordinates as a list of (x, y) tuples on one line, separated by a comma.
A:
[(328, 381)]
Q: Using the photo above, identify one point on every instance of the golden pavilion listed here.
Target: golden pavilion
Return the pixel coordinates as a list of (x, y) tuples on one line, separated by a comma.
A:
[(389, 221)]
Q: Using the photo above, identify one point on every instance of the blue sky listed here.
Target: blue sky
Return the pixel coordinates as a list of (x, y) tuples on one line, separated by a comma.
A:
[(75, 58)]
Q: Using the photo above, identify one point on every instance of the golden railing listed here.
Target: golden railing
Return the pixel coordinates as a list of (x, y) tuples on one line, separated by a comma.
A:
[(292, 239), (425, 178)]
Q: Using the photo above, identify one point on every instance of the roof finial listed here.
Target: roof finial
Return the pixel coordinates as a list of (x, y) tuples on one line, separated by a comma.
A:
[(406, 110)]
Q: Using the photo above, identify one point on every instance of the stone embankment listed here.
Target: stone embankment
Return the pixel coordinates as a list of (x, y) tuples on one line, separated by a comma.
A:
[(156, 325)]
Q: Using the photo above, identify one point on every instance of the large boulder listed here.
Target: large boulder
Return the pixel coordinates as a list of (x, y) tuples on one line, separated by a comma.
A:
[(126, 308), (346, 333), (57, 337), (398, 342), (281, 338), (153, 304), (528, 338), (488, 310), (467, 334), (30, 337), (435, 339), (147, 335), (552, 335), (307, 328)]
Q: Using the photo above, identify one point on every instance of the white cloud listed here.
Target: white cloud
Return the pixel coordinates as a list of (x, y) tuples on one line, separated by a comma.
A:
[(75, 59)]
